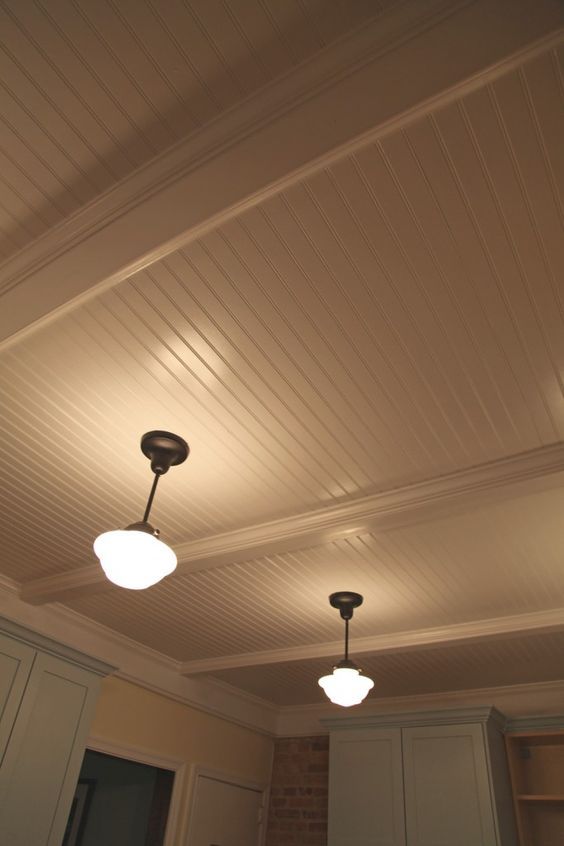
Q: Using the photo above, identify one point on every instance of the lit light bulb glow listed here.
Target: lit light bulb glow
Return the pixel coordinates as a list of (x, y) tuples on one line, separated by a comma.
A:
[(346, 686), (132, 559)]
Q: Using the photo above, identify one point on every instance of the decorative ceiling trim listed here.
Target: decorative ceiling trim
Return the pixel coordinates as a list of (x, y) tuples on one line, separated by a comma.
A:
[(518, 475), (53, 647), (154, 671), (229, 164), (513, 701), (517, 624), (136, 663), (444, 716)]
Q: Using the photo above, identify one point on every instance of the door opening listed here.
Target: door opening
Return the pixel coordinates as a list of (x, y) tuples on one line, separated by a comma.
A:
[(119, 802)]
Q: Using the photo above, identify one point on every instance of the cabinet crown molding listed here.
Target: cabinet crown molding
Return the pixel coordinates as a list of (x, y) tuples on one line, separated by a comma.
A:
[(451, 716), (52, 647)]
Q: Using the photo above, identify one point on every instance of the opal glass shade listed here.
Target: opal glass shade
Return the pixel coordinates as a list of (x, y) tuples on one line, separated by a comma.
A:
[(346, 686), (133, 559)]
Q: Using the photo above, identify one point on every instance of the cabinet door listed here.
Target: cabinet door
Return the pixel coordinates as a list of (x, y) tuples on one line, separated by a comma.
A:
[(365, 788), (447, 790), (44, 752), (16, 660)]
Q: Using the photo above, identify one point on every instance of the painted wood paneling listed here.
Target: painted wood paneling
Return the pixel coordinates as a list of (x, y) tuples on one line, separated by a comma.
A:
[(44, 754), (93, 90), (366, 789), (393, 318), (16, 661), (447, 790)]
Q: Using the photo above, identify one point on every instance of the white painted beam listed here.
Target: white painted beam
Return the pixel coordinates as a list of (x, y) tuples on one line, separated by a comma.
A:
[(509, 477), (518, 624), (415, 57)]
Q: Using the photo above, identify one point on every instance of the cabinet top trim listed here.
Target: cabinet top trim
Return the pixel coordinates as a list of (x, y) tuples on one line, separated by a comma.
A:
[(402, 719), (39, 641)]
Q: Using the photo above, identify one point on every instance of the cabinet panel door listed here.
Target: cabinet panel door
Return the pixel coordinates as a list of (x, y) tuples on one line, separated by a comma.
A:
[(16, 660), (447, 790), (365, 788), (44, 753)]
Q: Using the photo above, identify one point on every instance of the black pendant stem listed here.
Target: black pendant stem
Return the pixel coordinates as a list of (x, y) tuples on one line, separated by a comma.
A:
[(346, 601), (151, 497)]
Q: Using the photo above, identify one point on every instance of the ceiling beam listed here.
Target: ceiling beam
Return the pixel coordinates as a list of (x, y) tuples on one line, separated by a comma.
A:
[(519, 475), (538, 621), (346, 95)]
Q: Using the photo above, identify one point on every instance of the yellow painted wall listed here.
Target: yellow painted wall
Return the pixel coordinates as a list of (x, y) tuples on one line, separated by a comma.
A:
[(134, 717)]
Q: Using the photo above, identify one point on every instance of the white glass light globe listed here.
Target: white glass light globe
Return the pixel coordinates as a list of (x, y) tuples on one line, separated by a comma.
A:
[(133, 559), (345, 686)]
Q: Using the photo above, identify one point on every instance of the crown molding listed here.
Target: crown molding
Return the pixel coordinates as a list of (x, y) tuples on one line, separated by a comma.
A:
[(444, 716), (514, 701), (47, 644), (229, 164), (159, 673), (517, 475), (498, 627), (543, 723), (134, 662)]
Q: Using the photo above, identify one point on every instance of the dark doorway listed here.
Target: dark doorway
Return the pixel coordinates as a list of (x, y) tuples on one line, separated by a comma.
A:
[(119, 803)]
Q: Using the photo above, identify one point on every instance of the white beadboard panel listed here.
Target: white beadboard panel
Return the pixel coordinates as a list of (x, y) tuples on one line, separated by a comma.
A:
[(394, 318), (495, 562), (478, 665), (93, 89)]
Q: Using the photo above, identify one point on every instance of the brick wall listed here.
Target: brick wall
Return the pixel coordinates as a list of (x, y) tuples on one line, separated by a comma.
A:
[(297, 815)]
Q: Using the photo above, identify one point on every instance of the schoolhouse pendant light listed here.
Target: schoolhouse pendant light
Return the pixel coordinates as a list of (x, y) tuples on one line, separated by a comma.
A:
[(346, 686), (135, 557)]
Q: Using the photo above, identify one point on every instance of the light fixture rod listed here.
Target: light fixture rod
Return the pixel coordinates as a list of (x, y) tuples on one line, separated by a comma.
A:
[(151, 497), (346, 686)]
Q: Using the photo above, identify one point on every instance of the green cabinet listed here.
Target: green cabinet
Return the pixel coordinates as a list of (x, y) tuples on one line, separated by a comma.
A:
[(47, 698), (16, 660), (366, 788), (419, 779)]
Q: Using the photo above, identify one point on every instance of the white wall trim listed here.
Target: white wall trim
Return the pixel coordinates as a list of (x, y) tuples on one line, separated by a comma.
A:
[(146, 216), (436, 717), (158, 673), (144, 756), (47, 644), (541, 698), (137, 663), (518, 475), (498, 627)]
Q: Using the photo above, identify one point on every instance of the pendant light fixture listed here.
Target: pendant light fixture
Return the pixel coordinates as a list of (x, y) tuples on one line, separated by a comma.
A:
[(134, 557), (346, 686)]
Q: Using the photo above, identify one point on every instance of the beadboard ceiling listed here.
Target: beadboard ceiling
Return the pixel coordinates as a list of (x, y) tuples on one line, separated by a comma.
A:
[(93, 89), (367, 359)]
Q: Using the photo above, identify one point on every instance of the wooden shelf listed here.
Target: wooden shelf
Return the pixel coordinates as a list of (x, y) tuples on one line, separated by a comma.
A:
[(536, 765)]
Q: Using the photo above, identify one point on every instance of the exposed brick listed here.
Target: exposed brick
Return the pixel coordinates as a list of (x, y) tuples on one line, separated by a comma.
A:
[(298, 805)]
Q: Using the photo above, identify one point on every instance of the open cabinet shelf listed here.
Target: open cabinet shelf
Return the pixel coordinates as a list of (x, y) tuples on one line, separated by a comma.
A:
[(536, 766)]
